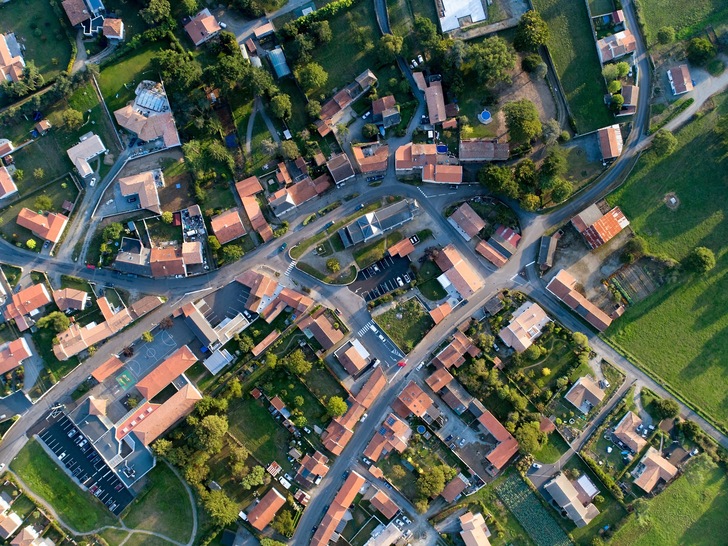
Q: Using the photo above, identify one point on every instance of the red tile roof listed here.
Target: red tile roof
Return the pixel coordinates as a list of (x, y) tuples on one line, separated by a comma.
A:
[(442, 174), (321, 328), (402, 248), (264, 512), (384, 504), (371, 389), (13, 355), (227, 226), (468, 220), (680, 79), (563, 287), (439, 313), (173, 366), (435, 98), (490, 254), (439, 379), (415, 400), (258, 221), (107, 369), (453, 489), (76, 11), (202, 27), (47, 226), (24, 302), (7, 185), (167, 262), (506, 447)]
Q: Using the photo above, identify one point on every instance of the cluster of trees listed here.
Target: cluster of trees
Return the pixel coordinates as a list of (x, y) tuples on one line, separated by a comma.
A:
[(700, 51), (32, 81), (527, 183), (613, 73), (56, 321)]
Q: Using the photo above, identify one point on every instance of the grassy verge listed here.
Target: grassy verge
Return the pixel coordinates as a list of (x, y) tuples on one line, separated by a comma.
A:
[(686, 19), (554, 448), (119, 79), (687, 315), (162, 507), (344, 277), (691, 511), (572, 48), (253, 425), (48, 481), (371, 253)]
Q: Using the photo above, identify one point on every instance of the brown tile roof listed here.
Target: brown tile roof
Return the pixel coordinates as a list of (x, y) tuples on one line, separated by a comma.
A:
[(419, 78), (173, 366), (382, 104), (392, 435), (148, 128), (616, 45), (76, 10), (70, 298), (351, 360), (145, 186), (9, 523), (585, 394), (680, 79), (453, 489), (462, 276), (386, 506), (107, 369), (192, 252), (321, 328), (402, 248), (490, 254), (439, 313), (13, 355), (83, 152), (438, 379), (450, 124), (24, 302), (261, 286), (414, 400), (565, 495), (630, 94), (7, 185), (606, 228), (312, 467), (454, 353), (474, 530), (10, 66), (340, 168), (415, 156), (468, 220), (47, 226), (372, 388), (442, 174), (479, 150), (167, 262), (435, 99), (371, 158), (610, 141), (202, 27), (338, 508), (563, 287), (258, 221), (525, 326), (265, 343), (626, 432), (248, 187), (652, 469), (264, 512), (113, 28), (227, 226), (506, 447), (27, 536)]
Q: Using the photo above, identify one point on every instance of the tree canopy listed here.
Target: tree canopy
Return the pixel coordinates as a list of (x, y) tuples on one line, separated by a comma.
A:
[(336, 407), (390, 45), (531, 32), (492, 60), (700, 51), (221, 508), (297, 363), (312, 76), (211, 432), (56, 320), (664, 142), (522, 120), (281, 107), (156, 11), (499, 180), (701, 260)]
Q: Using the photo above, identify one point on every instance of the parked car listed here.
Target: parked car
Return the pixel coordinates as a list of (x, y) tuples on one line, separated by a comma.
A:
[(283, 247)]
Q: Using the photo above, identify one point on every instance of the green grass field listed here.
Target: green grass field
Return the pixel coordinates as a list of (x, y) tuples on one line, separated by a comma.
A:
[(686, 18), (680, 332), (253, 425), (691, 511), (368, 254), (572, 48), (44, 153), (554, 448), (41, 32), (48, 481), (163, 506), (352, 48), (128, 71), (406, 324)]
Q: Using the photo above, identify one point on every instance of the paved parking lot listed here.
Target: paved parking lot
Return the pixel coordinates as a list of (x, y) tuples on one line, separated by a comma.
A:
[(83, 462), (226, 302), (381, 277)]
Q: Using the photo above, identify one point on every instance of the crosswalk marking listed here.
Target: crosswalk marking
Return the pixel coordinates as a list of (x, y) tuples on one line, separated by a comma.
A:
[(365, 329), (290, 268)]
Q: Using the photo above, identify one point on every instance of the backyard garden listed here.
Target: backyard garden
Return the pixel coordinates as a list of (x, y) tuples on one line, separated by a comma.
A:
[(406, 323)]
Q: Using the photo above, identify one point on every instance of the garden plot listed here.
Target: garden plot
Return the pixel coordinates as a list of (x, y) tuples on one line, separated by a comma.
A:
[(636, 281)]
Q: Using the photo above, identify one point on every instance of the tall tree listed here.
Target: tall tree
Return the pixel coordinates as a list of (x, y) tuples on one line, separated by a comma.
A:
[(221, 508), (531, 32), (522, 120), (390, 45), (492, 60), (156, 11), (281, 107), (210, 433), (312, 76), (55, 320), (499, 180), (297, 363), (336, 407)]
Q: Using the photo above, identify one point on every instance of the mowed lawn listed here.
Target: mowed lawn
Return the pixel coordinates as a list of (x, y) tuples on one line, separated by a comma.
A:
[(45, 479), (163, 506), (681, 332), (352, 48), (691, 511), (573, 50), (119, 79), (37, 27), (254, 426), (687, 18)]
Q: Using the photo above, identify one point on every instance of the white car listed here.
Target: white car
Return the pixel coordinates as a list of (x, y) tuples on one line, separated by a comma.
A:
[(413, 63), (420, 59)]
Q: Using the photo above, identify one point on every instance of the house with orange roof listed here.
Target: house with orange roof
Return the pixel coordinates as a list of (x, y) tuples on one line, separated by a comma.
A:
[(192, 253), (474, 530), (439, 313), (598, 228), (454, 353), (341, 429), (26, 304), (7, 184), (381, 502), (172, 367), (262, 289), (526, 325), (353, 357), (167, 262), (490, 254), (202, 27), (411, 158), (466, 221), (442, 174), (610, 142), (145, 186), (227, 226), (12, 354), (435, 99), (505, 445), (454, 488), (286, 199), (680, 79), (248, 187), (585, 394), (48, 226), (265, 510), (372, 388), (385, 111), (625, 432), (392, 435), (9, 523), (414, 401), (370, 158), (402, 248), (563, 286), (439, 379), (313, 468), (337, 509), (12, 64), (257, 220), (113, 29), (653, 470), (318, 326), (616, 46), (457, 274), (70, 299), (149, 116)]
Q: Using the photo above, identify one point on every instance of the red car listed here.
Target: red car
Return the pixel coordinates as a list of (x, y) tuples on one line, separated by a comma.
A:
[(401, 363)]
